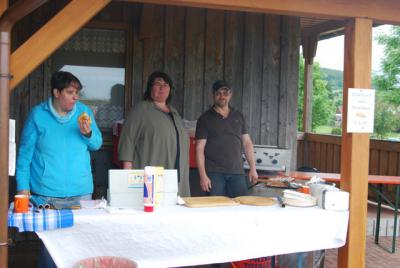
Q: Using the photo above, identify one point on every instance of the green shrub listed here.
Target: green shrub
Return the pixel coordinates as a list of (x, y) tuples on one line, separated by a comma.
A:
[(336, 131)]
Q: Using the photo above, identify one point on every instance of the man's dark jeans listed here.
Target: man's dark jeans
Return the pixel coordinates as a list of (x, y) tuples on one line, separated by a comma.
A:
[(225, 184)]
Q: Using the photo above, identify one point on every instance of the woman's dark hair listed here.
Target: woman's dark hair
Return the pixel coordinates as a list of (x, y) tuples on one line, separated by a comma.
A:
[(150, 81), (61, 80)]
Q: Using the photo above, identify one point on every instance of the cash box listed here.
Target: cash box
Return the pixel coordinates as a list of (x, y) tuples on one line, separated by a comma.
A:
[(126, 187)]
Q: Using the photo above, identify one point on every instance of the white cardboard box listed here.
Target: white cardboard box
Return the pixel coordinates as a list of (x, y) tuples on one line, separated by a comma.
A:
[(12, 150), (126, 188), (11, 130)]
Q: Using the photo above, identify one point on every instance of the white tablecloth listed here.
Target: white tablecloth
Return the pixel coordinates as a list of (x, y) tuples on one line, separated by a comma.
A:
[(180, 236)]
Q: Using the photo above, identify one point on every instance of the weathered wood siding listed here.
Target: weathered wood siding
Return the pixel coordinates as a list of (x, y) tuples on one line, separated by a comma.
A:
[(257, 53)]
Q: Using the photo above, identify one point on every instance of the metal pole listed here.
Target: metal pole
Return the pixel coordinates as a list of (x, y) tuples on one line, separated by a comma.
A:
[(396, 207), (378, 213)]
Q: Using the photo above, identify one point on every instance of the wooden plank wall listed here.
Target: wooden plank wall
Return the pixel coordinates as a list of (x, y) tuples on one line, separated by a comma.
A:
[(257, 53)]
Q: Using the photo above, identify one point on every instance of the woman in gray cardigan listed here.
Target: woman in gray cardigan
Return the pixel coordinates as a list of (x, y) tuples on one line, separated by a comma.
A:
[(153, 133)]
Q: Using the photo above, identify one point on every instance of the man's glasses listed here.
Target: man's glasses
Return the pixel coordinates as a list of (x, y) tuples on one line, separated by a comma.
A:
[(160, 85), (225, 93)]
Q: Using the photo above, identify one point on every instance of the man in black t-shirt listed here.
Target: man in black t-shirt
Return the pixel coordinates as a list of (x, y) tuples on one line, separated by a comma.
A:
[(221, 135)]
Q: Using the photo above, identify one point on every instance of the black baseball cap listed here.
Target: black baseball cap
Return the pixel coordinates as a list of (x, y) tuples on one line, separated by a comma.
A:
[(221, 84)]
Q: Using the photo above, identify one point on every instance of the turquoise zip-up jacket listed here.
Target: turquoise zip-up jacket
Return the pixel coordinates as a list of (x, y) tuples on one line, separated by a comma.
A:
[(54, 157)]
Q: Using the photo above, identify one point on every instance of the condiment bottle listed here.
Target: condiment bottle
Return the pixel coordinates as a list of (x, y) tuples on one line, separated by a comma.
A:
[(148, 191)]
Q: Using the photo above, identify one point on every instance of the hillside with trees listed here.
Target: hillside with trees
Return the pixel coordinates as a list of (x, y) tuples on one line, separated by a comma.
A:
[(334, 77), (335, 82)]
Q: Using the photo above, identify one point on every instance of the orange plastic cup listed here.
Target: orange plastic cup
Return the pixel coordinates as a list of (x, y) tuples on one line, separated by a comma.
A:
[(21, 203)]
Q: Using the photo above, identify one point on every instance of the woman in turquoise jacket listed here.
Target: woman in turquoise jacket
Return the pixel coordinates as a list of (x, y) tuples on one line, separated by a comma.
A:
[(53, 164)]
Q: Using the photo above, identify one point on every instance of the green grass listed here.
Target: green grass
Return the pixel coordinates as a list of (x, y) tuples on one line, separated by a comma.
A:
[(328, 130), (323, 129), (394, 135)]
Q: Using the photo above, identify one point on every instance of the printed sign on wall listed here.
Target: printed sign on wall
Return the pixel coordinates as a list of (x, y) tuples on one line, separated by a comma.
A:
[(360, 110)]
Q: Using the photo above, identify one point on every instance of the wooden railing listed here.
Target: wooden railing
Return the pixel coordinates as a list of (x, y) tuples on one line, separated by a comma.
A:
[(319, 151), (323, 153)]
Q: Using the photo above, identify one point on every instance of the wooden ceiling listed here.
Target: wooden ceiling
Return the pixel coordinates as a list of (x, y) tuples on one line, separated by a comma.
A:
[(324, 28), (323, 18)]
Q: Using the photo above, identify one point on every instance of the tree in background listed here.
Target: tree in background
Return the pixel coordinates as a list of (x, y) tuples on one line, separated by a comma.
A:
[(335, 84), (389, 80), (387, 84), (384, 119), (323, 108)]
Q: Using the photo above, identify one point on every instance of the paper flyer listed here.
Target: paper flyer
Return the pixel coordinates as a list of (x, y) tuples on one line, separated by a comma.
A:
[(360, 110)]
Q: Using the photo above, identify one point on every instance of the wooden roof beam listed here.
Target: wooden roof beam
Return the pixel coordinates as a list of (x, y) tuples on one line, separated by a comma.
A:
[(387, 12), (309, 44), (3, 6), (51, 36)]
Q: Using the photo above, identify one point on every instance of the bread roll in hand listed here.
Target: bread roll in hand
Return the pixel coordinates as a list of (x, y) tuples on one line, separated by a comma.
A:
[(84, 117)]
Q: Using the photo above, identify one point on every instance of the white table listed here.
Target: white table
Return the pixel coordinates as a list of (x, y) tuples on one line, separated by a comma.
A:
[(179, 236)]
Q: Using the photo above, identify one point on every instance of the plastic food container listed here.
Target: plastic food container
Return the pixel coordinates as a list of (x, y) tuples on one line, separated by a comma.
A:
[(106, 262)]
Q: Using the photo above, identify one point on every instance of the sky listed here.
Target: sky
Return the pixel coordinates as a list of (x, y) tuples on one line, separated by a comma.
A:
[(328, 59)]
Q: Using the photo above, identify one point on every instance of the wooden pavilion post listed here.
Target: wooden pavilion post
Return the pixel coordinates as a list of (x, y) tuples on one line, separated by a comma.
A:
[(3, 6), (309, 44), (355, 146), (4, 153)]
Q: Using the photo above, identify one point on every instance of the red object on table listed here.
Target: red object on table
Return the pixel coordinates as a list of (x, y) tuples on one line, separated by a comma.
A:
[(192, 153)]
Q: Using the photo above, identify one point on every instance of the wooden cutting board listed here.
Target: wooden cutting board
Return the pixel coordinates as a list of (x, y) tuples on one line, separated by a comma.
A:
[(208, 201), (256, 200)]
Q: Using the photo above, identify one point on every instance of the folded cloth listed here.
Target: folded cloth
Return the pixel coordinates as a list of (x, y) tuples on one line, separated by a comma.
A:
[(40, 220)]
